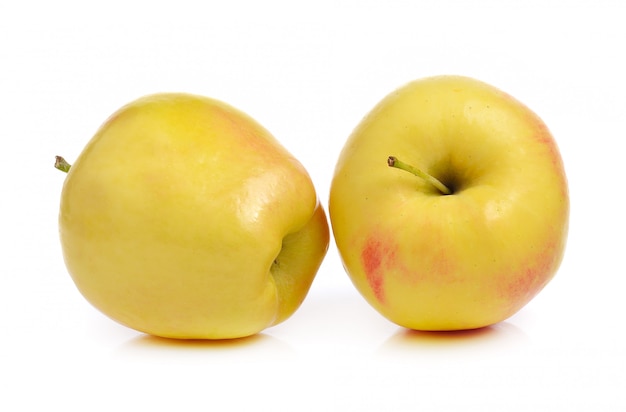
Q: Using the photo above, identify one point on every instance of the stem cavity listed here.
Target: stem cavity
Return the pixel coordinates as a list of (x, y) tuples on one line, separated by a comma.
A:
[(392, 161)]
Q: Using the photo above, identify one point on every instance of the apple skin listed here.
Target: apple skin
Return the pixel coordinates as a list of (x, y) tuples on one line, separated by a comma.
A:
[(184, 218), (429, 261)]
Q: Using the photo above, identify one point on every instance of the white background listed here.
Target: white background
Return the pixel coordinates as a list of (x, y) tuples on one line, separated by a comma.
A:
[(309, 71)]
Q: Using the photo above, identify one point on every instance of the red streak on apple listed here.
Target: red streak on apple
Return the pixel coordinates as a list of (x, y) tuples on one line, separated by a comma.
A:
[(380, 260), (375, 257), (434, 254), (443, 265), (530, 281), (543, 136)]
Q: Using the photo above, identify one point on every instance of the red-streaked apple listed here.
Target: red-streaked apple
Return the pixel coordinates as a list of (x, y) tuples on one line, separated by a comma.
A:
[(185, 218), (470, 221)]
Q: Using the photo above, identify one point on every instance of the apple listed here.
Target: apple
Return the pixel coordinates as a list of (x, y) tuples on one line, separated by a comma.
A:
[(471, 220), (185, 218)]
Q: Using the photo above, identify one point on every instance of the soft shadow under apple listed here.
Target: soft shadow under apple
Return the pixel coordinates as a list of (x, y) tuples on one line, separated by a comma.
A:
[(255, 343), (491, 338)]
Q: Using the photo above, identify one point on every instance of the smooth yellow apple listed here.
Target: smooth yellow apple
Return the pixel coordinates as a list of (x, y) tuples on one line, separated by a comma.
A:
[(428, 260), (184, 218)]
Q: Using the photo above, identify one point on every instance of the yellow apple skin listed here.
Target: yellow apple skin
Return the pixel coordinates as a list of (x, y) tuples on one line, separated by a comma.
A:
[(184, 218), (429, 261)]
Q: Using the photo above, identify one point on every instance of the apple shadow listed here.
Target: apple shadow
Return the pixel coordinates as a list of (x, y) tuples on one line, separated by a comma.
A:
[(160, 342), (260, 342), (501, 336)]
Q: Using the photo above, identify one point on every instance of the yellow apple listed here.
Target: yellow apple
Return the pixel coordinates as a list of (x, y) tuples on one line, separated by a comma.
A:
[(476, 229), (184, 218)]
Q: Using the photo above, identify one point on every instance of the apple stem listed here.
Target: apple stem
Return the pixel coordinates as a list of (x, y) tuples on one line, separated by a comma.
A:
[(392, 161), (62, 164)]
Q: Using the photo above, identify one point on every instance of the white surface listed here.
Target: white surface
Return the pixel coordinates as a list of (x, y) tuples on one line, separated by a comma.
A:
[(309, 72)]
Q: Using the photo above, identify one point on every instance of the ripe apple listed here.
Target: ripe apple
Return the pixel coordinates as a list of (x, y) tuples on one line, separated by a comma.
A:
[(185, 218), (476, 229)]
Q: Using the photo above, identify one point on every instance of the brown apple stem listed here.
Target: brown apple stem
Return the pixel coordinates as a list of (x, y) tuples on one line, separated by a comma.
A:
[(62, 164), (392, 161)]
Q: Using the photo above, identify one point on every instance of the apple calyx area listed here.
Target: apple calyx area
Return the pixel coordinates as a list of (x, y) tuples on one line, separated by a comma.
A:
[(61, 164), (393, 161)]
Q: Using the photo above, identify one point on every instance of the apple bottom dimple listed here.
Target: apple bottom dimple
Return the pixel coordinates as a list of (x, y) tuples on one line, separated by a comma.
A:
[(293, 268)]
